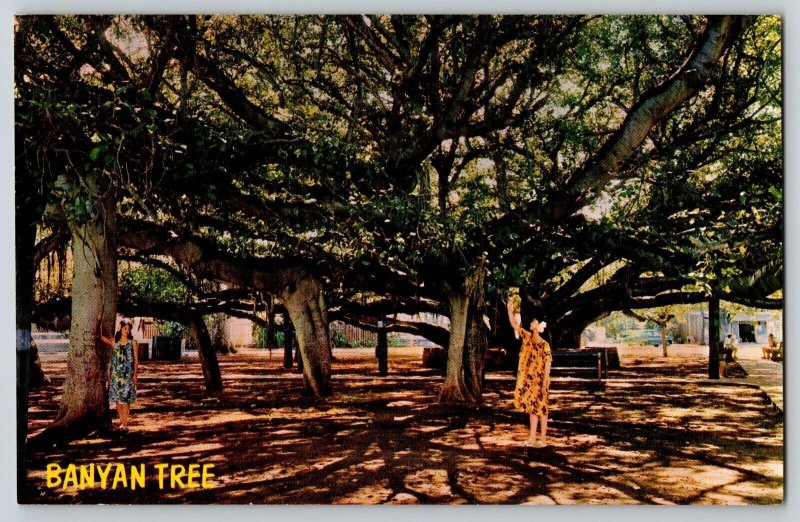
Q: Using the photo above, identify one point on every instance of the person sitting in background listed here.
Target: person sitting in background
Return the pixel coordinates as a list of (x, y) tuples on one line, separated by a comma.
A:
[(725, 357), (772, 345), (730, 345)]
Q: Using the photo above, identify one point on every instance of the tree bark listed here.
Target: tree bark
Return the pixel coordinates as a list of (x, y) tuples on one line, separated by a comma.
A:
[(454, 388), (308, 313), (84, 404), (468, 341), (208, 356), (218, 334), (475, 351), (663, 328), (298, 357)]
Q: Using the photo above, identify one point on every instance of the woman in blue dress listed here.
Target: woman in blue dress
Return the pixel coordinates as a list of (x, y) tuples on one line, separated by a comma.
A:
[(124, 371)]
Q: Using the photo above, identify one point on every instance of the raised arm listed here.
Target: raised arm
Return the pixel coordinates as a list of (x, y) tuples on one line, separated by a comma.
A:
[(512, 315), (98, 332), (514, 318)]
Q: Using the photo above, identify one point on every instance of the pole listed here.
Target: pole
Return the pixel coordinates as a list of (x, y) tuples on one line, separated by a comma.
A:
[(288, 335), (382, 348), (713, 338)]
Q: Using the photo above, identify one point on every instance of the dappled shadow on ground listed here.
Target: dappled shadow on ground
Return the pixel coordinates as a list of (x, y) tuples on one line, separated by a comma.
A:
[(384, 440)]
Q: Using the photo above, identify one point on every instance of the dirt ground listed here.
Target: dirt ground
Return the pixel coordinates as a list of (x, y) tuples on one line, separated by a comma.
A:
[(657, 432)]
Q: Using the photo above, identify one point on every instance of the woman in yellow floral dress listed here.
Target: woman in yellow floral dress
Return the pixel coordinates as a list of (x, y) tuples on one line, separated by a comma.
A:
[(533, 376)]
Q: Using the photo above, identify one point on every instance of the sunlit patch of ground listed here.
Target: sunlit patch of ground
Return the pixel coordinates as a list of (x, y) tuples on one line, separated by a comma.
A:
[(656, 432)]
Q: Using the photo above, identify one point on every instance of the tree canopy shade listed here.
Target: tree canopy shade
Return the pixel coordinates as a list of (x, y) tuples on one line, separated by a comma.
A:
[(356, 166)]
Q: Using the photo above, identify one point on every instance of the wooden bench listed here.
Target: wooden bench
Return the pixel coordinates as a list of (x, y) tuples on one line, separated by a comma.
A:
[(611, 354), (593, 362), (436, 356)]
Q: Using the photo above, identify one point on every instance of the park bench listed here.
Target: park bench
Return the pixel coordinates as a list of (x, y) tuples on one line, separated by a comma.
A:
[(435, 357), (166, 348), (591, 362), (611, 354)]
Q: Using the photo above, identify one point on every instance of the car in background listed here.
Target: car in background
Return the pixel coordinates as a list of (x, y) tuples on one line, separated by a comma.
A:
[(654, 338)]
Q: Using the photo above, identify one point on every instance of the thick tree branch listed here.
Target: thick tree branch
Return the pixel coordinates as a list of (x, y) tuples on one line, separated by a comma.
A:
[(205, 259), (653, 107), (55, 313), (433, 333)]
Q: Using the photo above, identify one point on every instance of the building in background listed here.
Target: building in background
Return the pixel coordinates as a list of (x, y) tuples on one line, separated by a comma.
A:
[(746, 328)]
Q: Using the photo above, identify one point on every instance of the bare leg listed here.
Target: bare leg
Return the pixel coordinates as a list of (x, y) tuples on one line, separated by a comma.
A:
[(543, 421), (532, 436), (124, 410), (119, 413)]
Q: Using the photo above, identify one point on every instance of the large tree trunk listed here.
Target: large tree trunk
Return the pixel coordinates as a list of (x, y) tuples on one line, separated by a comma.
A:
[(298, 361), (208, 356), (663, 328), (218, 333), (467, 345), (454, 388), (84, 404), (308, 313), (475, 351)]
